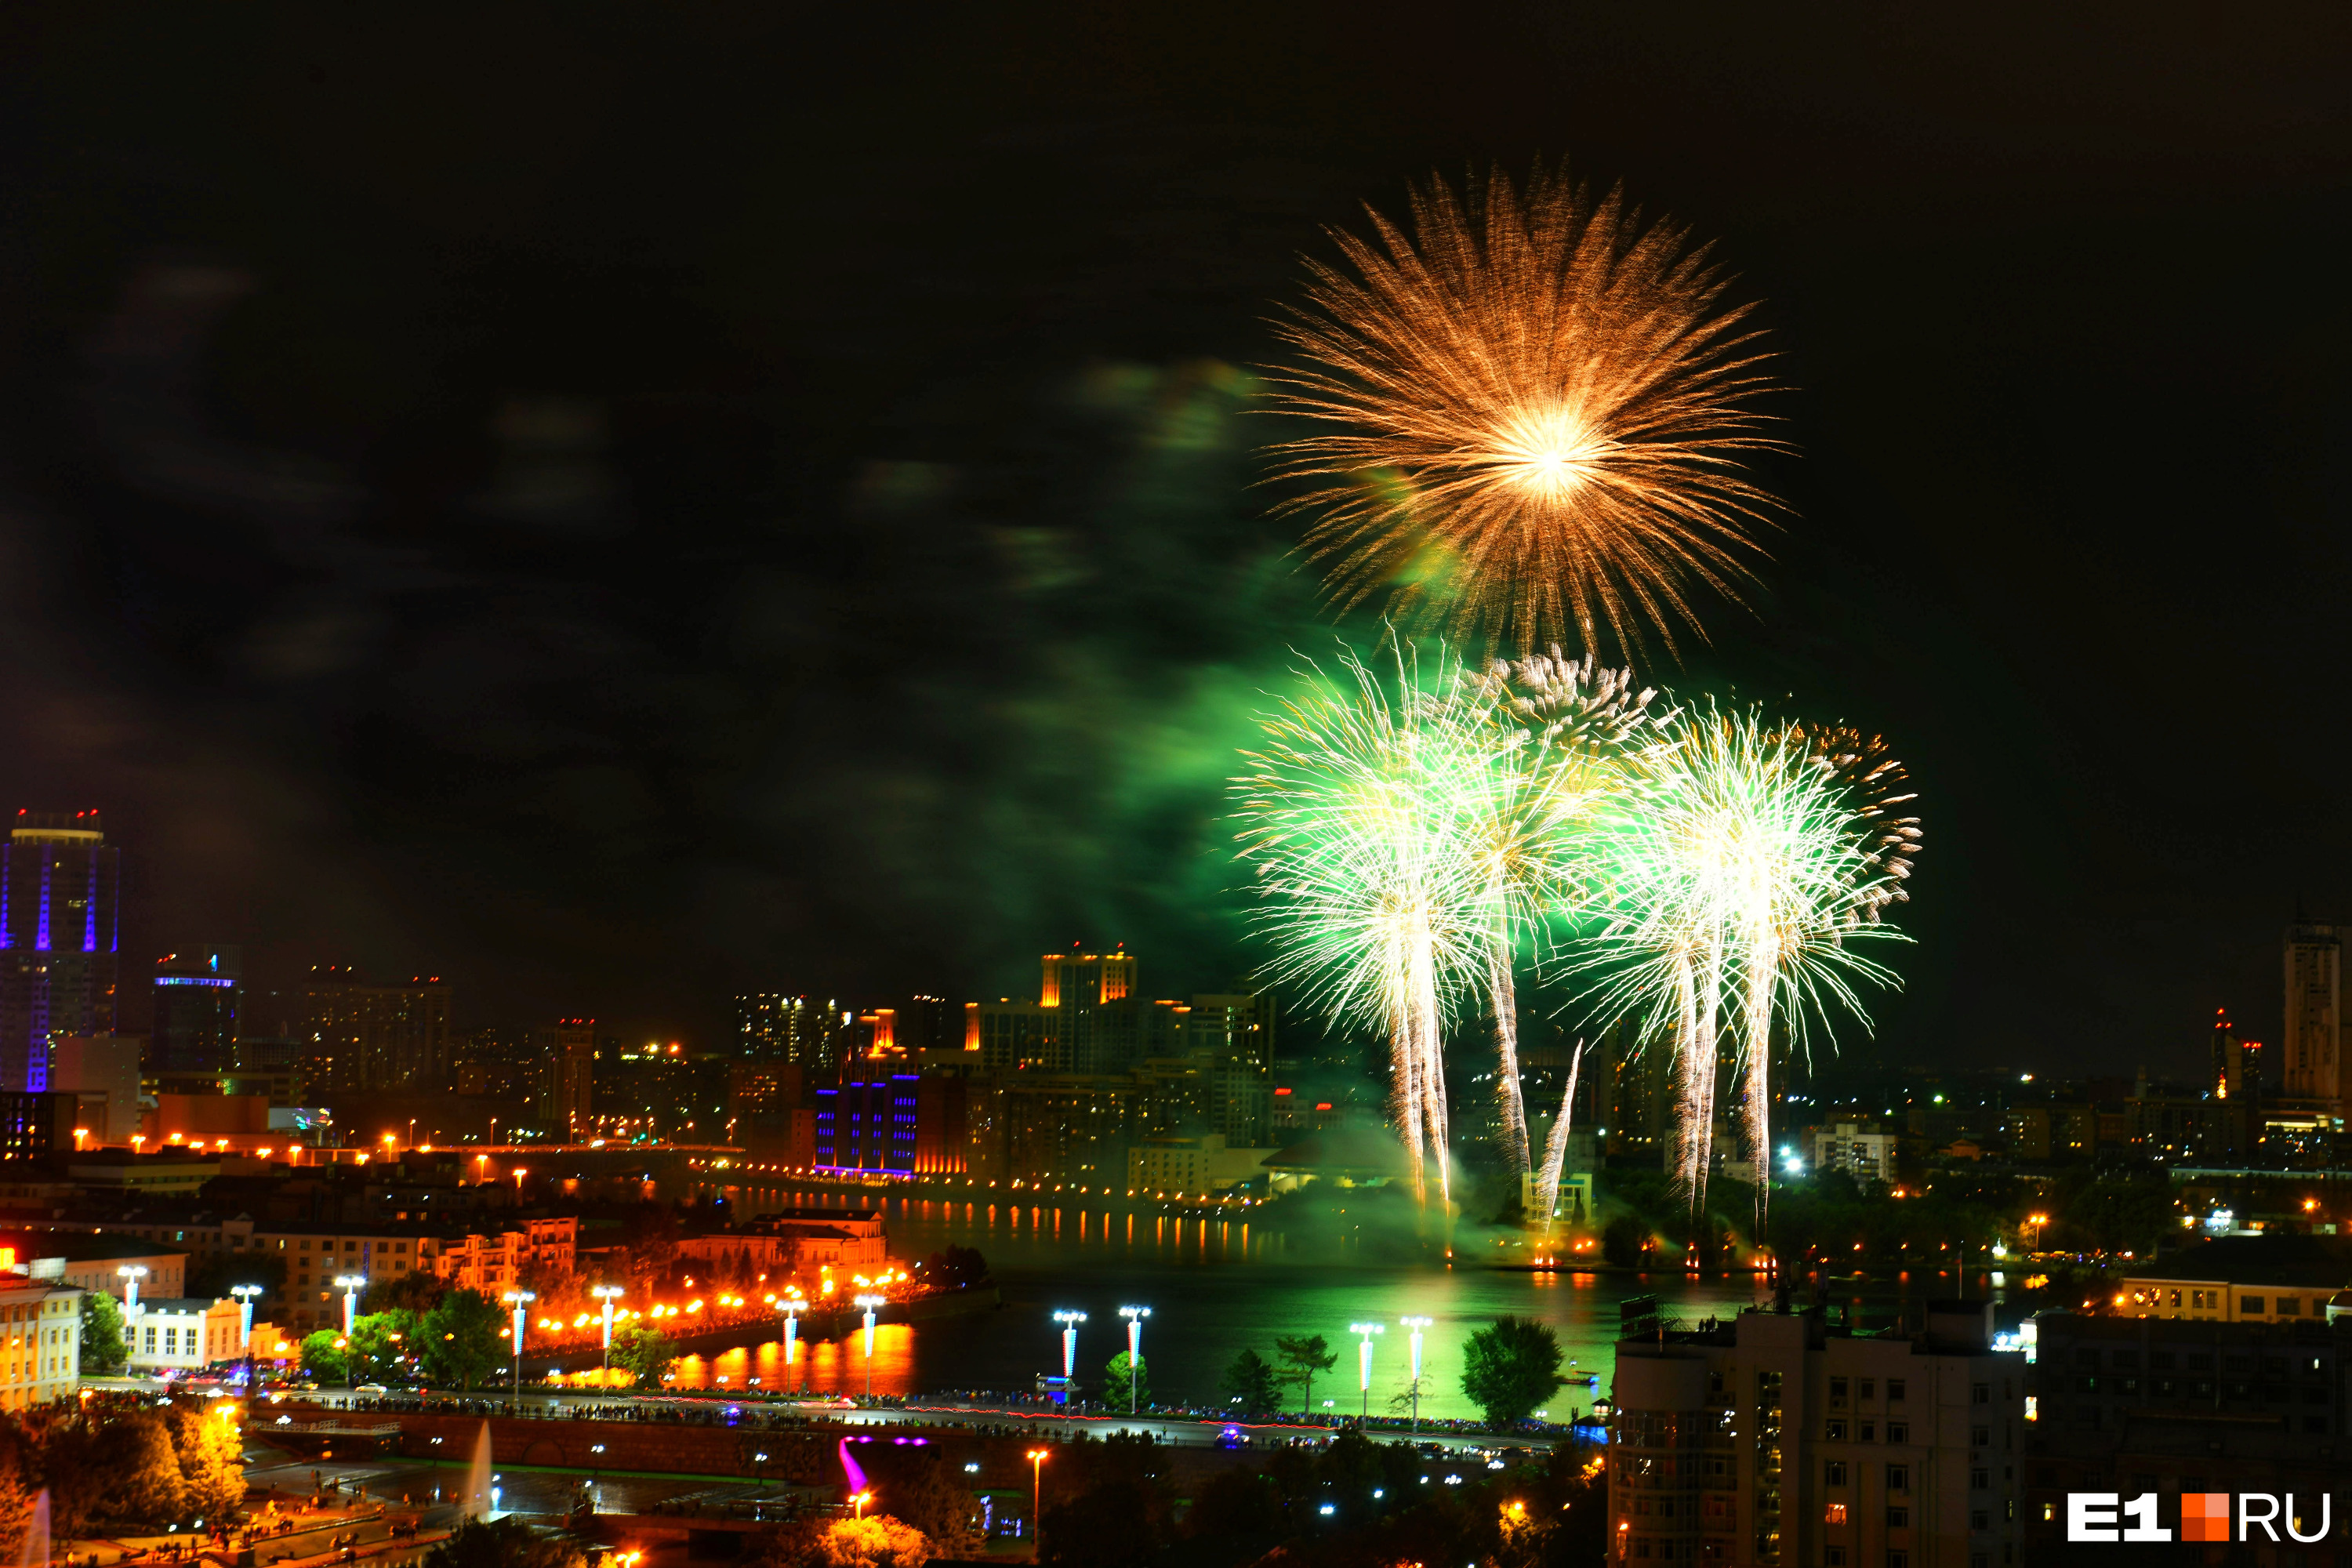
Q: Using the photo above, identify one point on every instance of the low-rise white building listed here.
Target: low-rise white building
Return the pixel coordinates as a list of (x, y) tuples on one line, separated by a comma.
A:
[(41, 1341), (183, 1334)]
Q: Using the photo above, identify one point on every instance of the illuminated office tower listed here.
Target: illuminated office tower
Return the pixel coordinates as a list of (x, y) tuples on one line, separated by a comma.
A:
[(196, 1012), (2315, 1012), (59, 938)]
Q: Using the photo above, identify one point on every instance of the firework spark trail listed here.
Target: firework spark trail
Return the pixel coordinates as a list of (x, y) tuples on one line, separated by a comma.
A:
[(1745, 861), (1559, 730), (1556, 1149), (1356, 818), (1532, 413)]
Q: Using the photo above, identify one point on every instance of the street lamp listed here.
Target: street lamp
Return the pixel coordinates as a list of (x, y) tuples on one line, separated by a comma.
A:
[(1069, 1322), (130, 1274), (1364, 1362), (606, 1293), (521, 1300), (870, 1303), (1134, 1316), (350, 1285), (1416, 1325), (1036, 1500), (244, 1295), (2037, 1221), (792, 1307)]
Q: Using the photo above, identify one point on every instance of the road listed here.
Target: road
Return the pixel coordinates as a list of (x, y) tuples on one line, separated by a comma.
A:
[(1046, 1421)]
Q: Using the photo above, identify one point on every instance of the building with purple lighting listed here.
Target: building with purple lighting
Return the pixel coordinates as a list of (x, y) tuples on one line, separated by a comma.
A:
[(59, 938)]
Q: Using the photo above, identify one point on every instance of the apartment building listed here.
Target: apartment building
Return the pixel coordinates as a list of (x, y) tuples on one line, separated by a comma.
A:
[(2173, 1404), (1775, 1440)]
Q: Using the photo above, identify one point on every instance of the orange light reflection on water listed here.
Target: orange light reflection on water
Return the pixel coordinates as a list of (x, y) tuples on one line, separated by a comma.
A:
[(828, 1367)]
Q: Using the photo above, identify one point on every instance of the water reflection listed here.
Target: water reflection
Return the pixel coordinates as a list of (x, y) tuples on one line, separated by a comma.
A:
[(825, 1367)]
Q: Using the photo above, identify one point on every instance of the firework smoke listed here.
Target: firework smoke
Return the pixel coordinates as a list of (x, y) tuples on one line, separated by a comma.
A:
[(1534, 408)]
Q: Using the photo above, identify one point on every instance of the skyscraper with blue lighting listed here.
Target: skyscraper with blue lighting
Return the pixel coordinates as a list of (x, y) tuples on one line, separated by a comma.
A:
[(60, 938)]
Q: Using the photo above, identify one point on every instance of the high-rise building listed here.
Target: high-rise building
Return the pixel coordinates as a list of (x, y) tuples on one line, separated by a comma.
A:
[(195, 1011), (777, 1026), (2315, 1012), (59, 938), (1777, 1440), (355, 1038), (1075, 979), (1010, 1036), (566, 1052)]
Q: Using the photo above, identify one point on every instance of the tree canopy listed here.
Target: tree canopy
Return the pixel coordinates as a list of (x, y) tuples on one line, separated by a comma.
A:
[(105, 1349), (1255, 1386), (1511, 1368), (647, 1352), (463, 1340), (1302, 1358)]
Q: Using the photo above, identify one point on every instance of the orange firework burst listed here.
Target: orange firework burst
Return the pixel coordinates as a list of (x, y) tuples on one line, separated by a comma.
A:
[(1537, 406)]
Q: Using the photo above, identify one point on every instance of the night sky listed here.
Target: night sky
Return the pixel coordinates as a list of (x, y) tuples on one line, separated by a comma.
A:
[(613, 504)]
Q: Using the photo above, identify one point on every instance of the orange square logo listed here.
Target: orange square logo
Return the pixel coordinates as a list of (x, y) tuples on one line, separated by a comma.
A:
[(2204, 1516)]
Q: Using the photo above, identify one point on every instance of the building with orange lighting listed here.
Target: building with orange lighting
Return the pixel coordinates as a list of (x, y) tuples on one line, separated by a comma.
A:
[(41, 1341)]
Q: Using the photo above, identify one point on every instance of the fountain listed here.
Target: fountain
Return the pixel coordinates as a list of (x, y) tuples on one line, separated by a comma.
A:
[(34, 1552), (481, 1496)]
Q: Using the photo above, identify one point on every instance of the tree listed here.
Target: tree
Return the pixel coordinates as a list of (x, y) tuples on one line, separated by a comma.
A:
[(211, 1461), (876, 1541), (647, 1352), (463, 1340), (1511, 1368), (931, 1496), (1253, 1383), (506, 1542), (1301, 1360), (136, 1472), (1115, 1380), (382, 1342), (323, 1357), (209, 1281), (104, 1348), (418, 1292)]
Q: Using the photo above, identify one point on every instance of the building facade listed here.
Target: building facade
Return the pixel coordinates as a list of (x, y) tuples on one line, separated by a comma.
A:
[(566, 1052), (195, 1005), (183, 1334), (2315, 1012), (41, 1342), (60, 939), (354, 1038), (1776, 1441)]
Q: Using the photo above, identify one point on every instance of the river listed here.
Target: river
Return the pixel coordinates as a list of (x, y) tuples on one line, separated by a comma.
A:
[(1214, 1285)]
